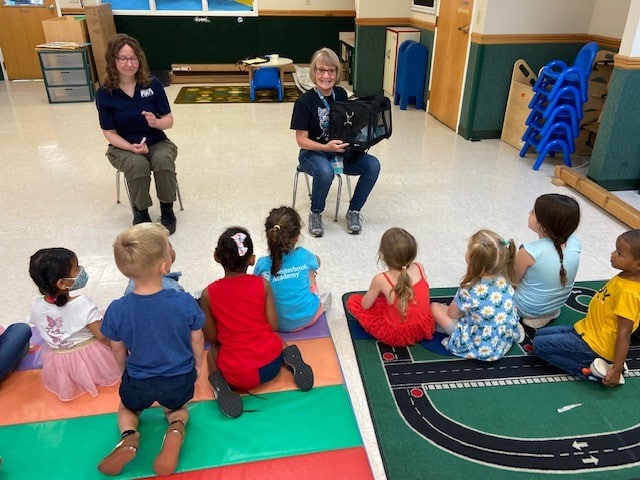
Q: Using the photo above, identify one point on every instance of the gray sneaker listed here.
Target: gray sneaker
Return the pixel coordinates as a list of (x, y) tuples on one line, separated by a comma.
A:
[(315, 224), (353, 222)]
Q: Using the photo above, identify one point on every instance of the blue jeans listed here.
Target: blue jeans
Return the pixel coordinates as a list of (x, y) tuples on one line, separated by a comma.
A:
[(318, 165), (14, 344), (562, 347)]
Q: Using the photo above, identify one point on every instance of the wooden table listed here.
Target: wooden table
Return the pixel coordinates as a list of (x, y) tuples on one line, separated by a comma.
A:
[(280, 63)]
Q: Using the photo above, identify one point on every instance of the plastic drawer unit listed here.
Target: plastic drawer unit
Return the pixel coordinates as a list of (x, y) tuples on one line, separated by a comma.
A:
[(67, 75)]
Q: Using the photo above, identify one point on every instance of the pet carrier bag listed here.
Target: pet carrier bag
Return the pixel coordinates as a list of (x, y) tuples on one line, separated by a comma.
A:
[(361, 123)]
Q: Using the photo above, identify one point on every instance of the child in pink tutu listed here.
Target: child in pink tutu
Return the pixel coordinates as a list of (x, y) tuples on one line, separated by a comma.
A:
[(395, 310), (77, 358)]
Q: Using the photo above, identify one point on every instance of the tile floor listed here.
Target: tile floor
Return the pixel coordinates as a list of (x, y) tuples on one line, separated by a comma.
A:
[(236, 162)]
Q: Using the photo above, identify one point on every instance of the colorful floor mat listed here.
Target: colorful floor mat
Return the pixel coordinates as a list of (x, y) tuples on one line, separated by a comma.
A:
[(283, 433), (437, 416), (229, 94)]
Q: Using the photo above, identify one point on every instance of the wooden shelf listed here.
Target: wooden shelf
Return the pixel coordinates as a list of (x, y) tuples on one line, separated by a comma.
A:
[(215, 73)]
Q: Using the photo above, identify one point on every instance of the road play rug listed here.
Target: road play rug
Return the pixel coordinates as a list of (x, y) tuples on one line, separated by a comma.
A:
[(228, 94), (438, 416), (283, 434)]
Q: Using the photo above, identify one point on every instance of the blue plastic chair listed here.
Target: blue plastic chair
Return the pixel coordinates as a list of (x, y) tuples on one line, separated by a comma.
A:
[(562, 113), (411, 74), (267, 78), (556, 74)]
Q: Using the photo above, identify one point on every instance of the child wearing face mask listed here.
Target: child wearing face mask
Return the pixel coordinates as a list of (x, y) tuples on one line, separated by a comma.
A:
[(77, 357)]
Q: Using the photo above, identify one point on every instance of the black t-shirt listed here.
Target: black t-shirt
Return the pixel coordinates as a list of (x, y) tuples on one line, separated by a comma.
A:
[(310, 113)]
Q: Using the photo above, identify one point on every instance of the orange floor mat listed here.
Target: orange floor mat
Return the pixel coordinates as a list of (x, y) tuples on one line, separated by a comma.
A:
[(26, 400)]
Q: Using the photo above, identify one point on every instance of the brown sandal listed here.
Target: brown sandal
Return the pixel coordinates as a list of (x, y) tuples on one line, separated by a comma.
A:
[(123, 453), (167, 460)]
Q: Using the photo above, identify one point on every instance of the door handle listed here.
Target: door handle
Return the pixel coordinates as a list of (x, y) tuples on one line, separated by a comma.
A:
[(52, 7), (464, 29)]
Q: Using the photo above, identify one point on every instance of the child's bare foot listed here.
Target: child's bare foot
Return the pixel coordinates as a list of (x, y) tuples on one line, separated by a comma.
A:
[(123, 453), (167, 460)]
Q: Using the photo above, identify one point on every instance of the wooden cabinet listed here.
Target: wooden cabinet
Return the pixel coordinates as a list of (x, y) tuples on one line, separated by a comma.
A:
[(67, 74), (395, 37)]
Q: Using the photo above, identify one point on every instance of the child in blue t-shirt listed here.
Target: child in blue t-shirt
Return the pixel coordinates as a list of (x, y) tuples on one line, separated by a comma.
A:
[(156, 337), (291, 271)]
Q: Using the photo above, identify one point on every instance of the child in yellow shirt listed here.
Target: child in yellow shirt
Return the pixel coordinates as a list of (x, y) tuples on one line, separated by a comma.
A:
[(598, 344)]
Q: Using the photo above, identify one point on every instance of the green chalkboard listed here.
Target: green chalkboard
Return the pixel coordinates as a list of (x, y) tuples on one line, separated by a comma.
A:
[(168, 40)]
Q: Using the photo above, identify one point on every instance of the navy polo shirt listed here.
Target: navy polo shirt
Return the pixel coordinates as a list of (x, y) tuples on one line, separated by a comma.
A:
[(118, 111)]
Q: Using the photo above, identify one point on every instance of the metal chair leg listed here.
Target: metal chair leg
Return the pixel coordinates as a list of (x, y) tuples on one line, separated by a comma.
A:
[(335, 219), (126, 187), (295, 189), (117, 186)]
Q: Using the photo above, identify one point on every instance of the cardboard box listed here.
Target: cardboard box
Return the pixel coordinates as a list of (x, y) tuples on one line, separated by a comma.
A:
[(517, 111), (65, 29), (101, 28)]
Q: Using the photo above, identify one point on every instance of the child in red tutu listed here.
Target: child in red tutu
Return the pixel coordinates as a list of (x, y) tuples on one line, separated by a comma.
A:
[(395, 310), (77, 358)]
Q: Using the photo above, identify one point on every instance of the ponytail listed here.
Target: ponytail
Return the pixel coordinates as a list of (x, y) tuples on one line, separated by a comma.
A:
[(404, 291)]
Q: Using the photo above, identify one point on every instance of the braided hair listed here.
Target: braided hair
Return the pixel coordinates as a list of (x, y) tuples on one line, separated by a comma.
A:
[(49, 265), (282, 227), (558, 216)]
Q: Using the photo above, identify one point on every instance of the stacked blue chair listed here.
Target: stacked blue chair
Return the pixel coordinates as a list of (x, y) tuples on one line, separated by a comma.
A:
[(557, 105)]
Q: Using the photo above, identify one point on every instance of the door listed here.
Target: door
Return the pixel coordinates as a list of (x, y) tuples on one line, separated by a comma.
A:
[(21, 31), (452, 43)]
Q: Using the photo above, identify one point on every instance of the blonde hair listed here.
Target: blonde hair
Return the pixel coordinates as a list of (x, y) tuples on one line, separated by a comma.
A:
[(139, 248), (489, 254), (324, 56), (398, 250)]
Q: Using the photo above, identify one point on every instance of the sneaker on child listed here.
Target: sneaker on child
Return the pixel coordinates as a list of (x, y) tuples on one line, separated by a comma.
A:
[(229, 402), (600, 367)]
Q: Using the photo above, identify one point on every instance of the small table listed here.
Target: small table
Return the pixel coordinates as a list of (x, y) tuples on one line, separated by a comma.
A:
[(279, 64)]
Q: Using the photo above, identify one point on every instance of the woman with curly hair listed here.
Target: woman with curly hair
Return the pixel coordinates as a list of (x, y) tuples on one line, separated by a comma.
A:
[(134, 111)]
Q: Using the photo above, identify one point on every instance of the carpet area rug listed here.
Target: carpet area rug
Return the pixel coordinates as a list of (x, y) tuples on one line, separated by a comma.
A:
[(233, 94), (438, 416)]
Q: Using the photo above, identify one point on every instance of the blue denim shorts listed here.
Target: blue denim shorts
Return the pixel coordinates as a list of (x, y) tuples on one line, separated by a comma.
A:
[(170, 392)]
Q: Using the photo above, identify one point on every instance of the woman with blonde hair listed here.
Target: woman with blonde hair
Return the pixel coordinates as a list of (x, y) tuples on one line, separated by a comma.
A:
[(310, 120)]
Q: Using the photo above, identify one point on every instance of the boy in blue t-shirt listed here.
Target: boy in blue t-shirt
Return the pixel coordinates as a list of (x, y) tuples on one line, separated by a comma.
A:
[(156, 337)]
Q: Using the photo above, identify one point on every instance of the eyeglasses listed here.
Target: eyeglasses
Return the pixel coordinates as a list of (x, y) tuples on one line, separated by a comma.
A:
[(321, 71), (127, 59)]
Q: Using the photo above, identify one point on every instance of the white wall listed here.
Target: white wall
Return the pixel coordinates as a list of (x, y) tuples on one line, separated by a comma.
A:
[(533, 17), (383, 8), (306, 5), (609, 17), (630, 45)]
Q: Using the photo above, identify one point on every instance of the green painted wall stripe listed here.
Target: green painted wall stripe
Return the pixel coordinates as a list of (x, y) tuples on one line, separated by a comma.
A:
[(614, 161), (282, 424)]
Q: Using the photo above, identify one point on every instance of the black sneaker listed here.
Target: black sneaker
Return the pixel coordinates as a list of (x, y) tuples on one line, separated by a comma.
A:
[(168, 219), (302, 373), (229, 402), (140, 216)]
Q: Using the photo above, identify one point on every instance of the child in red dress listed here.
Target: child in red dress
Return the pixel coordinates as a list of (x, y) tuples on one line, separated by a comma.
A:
[(241, 324), (395, 310)]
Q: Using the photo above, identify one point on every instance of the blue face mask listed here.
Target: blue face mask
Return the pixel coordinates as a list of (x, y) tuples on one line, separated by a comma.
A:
[(81, 280)]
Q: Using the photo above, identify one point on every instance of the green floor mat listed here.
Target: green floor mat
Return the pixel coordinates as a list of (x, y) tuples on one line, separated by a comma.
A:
[(442, 417), (282, 424)]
